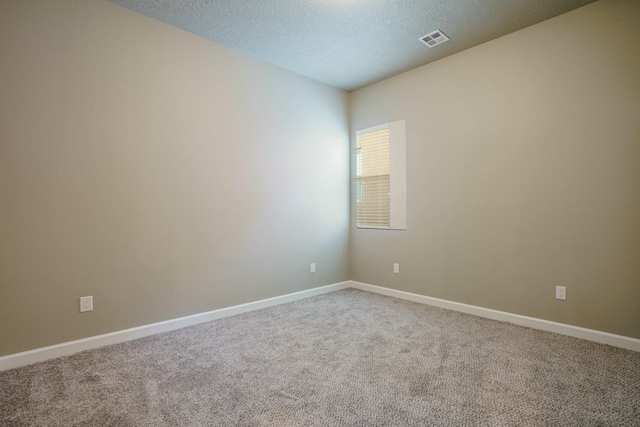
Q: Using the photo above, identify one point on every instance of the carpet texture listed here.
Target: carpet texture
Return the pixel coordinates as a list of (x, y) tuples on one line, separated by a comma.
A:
[(339, 359)]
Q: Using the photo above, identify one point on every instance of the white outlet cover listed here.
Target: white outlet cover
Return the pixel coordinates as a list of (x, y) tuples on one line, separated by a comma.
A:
[(86, 304), (396, 268), (561, 292), (312, 268)]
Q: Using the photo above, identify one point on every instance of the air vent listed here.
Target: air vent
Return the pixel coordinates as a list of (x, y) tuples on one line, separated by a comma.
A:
[(434, 38)]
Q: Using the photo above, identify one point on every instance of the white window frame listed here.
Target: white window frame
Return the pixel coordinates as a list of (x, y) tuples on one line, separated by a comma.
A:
[(397, 174)]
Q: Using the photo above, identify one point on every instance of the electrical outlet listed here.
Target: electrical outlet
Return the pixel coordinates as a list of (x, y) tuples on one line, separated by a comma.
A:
[(561, 292), (396, 267), (312, 268), (86, 304)]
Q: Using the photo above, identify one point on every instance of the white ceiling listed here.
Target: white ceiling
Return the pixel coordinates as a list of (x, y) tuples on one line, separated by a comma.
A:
[(349, 44)]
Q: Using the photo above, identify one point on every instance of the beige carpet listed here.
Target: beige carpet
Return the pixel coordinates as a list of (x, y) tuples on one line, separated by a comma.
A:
[(340, 359)]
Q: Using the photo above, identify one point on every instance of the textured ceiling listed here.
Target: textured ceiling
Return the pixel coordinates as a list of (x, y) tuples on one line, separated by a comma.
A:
[(349, 44)]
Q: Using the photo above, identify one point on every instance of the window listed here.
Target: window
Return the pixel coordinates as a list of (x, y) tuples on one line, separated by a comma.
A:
[(380, 177)]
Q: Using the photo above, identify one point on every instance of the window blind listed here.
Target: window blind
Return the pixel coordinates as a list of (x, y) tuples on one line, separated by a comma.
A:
[(373, 202)]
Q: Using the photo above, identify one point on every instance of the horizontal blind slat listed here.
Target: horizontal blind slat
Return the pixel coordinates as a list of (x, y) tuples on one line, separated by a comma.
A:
[(372, 163)]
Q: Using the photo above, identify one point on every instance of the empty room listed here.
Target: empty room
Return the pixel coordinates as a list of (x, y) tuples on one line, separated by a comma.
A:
[(319, 213)]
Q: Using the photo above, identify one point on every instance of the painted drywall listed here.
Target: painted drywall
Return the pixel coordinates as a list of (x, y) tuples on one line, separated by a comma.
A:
[(159, 172), (523, 173)]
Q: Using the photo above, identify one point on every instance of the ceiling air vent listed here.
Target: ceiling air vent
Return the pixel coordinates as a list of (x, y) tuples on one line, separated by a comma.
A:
[(434, 38)]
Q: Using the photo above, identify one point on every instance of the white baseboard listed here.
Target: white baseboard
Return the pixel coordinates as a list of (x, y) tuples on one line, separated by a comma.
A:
[(531, 322), (17, 360), (64, 349)]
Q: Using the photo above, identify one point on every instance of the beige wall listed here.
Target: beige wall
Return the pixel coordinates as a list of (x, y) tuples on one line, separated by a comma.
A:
[(523, 173), (167, 175), (161, 173)]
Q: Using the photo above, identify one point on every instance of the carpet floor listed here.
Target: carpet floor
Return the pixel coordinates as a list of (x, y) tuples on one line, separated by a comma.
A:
[(347, 358)]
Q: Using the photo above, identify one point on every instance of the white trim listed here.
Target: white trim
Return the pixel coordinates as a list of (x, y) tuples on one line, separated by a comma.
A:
[(17, 360), (37, 355), (531, 322), (398, 175), (372, 129)]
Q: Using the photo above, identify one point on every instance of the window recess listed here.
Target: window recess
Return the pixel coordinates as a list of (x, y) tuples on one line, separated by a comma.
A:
[(380, 177)]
